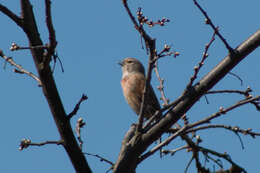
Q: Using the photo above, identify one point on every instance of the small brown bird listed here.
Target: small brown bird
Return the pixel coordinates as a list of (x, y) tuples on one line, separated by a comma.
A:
[(133, 83)]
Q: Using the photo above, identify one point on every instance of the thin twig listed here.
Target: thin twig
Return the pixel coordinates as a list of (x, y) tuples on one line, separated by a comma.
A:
[(76, 108), (101, 158), (188, 165), (157, 113), (224, 156), (240, 140), (56, 57), (235, 129), (201, 63), (161, 87), (209, 21), (217, 161), (172, 152), (25, 143), (165, 142), (245, 93), (144, 20), (233, 74), (19, 68), (223, 111), (80, 124)]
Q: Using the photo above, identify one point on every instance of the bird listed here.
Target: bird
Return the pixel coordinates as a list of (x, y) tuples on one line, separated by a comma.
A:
[(133, 83)]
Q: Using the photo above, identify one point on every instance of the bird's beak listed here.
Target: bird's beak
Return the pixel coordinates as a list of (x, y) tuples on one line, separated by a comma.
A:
[(121, 63)]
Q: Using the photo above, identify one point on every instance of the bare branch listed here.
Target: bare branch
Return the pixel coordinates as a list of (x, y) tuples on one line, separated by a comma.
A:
[(184, 128), (209, 21), (172, 152), (11, 15), (188, 165), (128, 162), (233, 74), (80, 124), (161, 87), (144, 20), (25, 143), (223, 111), (101, 158), (201, 63), (52, 35), (19, 68), (235, 129), (164, 143), (166, 52), (224, 156), (50, 90), (246, 93), (76, 108), (15, 47)]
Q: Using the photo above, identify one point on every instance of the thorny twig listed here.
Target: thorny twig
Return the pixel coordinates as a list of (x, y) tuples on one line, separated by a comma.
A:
[(25, 143), (19, 68)]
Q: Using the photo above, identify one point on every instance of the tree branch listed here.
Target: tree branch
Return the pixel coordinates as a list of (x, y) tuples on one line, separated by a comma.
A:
[(19, 68), (208, 21), (11, 15), (188, 99), (50, 90), (235, 129), (201, 63), (76, 108), (52, 35), (25, 143)]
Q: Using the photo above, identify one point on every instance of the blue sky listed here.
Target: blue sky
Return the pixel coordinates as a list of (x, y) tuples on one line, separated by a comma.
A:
[(92, 37)]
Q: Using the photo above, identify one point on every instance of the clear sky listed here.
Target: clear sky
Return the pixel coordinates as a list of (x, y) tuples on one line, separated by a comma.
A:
[(92, 37)]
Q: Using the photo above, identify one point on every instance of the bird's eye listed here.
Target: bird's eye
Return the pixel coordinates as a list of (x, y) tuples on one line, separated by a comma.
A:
[(129, 61)]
